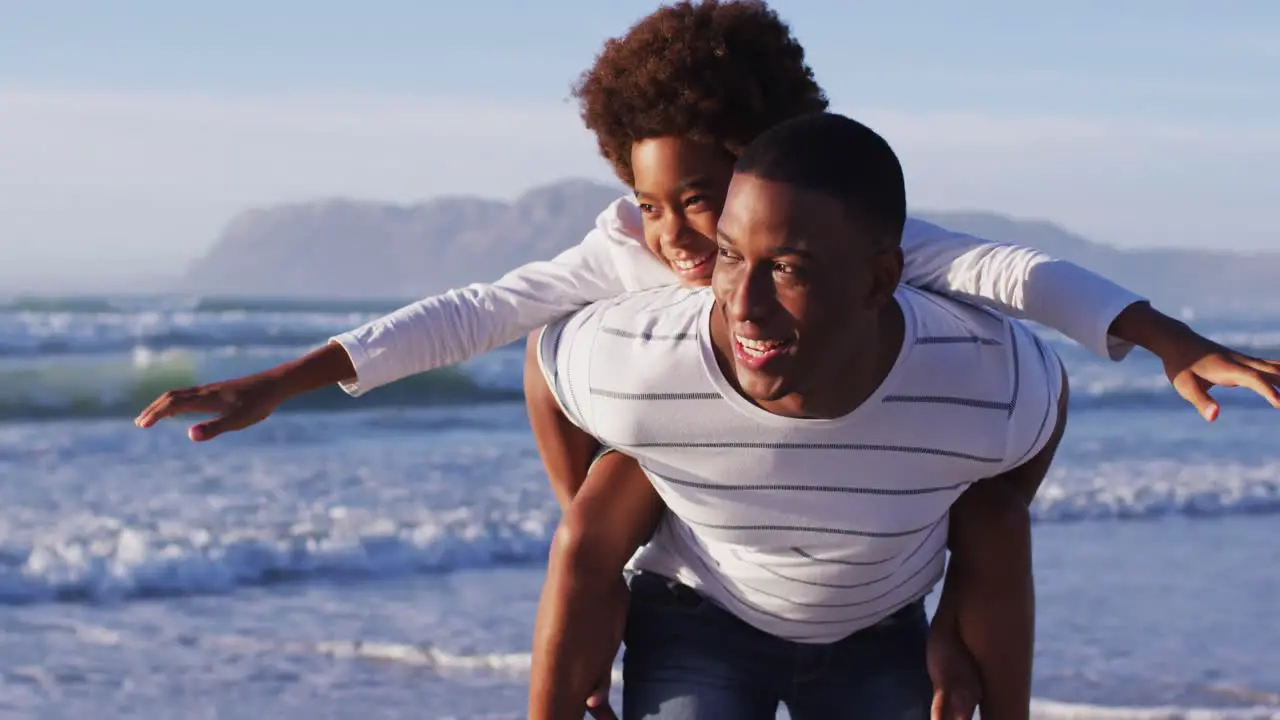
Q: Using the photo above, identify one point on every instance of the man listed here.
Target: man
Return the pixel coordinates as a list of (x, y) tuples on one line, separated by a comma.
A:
[(809, 424)]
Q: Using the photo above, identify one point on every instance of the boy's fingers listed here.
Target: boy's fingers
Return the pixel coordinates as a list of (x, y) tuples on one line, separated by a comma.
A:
[(598, 701), (602, 712), (952, 705), (939, 708), (1193, 390)]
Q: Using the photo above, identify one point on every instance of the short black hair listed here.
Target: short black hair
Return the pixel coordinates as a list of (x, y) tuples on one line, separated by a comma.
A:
[(840, 158)]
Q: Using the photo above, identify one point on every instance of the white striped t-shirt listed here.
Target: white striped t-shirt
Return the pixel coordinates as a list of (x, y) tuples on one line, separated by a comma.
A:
[(806, 529)]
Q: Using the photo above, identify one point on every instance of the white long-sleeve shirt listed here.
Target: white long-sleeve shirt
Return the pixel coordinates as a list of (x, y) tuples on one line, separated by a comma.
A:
[(457, 325)]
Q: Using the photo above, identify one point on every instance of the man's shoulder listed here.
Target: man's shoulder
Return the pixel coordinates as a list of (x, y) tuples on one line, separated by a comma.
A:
[(940, 320), (629, 329), (968, 359), (663, 310), (624, 347), (958, 347)]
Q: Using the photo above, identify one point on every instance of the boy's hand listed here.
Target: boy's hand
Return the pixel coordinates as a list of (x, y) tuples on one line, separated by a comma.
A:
[(244, 401), (957, 687), (1193, 363), (1203, 364), (236, 404), (598, 704)]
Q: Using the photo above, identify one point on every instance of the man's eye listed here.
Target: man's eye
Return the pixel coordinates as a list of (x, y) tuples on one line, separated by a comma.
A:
[(646, 208), (791, 274)]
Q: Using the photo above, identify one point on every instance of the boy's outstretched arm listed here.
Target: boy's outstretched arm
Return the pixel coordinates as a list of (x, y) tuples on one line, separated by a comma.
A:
[(988, 598), (435, 332), (583, 609), (1086, 307), (244, 401)]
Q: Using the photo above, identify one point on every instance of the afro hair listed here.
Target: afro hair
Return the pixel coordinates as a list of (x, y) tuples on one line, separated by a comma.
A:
[(716, 71)]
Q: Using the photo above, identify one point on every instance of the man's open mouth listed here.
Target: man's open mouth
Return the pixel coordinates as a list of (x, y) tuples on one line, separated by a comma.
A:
[(755, 352)]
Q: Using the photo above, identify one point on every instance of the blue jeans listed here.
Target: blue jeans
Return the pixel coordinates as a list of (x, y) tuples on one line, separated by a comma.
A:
[(688, 659)]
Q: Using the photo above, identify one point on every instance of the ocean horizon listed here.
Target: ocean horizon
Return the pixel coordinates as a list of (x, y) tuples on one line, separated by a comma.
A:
[(382, 556)]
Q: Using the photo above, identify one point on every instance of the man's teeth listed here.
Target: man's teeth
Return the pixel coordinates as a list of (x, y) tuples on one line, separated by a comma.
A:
[(759, 347), (691, 264)]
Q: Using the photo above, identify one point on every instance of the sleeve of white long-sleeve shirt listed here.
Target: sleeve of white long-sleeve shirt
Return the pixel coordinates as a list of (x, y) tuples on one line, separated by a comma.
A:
[(1018, 281), (565, 357), (1037, 379), (460, 324)]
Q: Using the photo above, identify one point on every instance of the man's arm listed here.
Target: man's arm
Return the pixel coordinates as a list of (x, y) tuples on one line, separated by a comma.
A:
[(988, 598), (583, 607)]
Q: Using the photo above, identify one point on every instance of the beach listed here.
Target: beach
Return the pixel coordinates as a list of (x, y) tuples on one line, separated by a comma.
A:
[(381, 557)]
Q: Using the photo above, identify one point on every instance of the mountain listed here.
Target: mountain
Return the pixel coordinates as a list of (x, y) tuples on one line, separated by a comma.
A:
[(355, 248), (1171, 277)]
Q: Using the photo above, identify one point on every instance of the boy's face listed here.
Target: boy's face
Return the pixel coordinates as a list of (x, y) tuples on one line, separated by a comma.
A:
[(680, 185)]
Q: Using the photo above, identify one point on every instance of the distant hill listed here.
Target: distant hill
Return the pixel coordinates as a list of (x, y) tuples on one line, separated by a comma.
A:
[(367, 249), (1170, 276)]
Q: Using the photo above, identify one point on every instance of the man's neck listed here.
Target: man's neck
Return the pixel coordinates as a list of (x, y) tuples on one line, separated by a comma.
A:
[(861, 374), (864, 372)]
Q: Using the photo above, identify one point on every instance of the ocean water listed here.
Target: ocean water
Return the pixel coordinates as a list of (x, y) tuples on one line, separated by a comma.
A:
[(382, 557)]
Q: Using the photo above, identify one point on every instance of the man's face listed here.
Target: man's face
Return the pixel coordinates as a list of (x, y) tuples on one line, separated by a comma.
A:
[(800, 283)]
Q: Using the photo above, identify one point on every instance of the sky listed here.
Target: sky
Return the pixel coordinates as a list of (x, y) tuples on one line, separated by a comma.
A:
[(131, 132)]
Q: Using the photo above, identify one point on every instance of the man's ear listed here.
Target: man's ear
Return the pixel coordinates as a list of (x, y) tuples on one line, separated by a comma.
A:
[(886, 273)]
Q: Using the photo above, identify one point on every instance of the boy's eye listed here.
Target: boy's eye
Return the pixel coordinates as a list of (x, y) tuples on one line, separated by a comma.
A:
[(646, 208)]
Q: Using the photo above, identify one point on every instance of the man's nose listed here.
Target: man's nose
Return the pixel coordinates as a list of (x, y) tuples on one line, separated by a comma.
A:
[(752, 295)]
